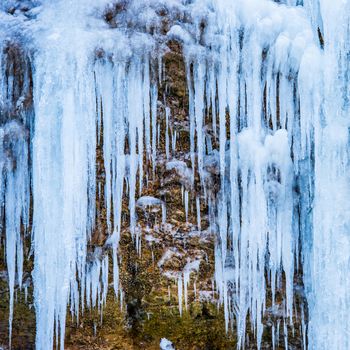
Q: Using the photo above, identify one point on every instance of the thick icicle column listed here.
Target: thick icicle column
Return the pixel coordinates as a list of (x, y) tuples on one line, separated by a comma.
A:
[(329, 279)]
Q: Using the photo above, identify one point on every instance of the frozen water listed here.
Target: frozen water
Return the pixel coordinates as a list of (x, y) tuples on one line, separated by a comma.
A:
[(268, 88)]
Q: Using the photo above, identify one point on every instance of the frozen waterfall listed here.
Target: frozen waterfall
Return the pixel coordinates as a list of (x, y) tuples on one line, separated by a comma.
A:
[(268, 87)]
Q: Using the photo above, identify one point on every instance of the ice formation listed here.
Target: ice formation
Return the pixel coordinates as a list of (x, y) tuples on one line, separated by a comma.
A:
[(271, 82)]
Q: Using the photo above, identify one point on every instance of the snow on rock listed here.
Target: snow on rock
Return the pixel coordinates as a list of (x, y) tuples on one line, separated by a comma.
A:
[(153, 204), (168, 255), (166, 344), (148, 201), (178, 33), (182, 170)]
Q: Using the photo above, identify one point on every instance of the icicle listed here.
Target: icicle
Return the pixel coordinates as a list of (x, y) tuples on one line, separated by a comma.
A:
[(303, 329), (285, 332), (147, 108), (186, 281), (198, 210), (186, 205), (163, 213), (278, 333), (179, 292), (191, 266), (199, 79), (154, 99), (167, 116), (173, 142)]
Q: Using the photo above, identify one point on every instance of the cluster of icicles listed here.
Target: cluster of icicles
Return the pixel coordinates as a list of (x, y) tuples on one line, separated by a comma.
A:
[(271, 80)]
